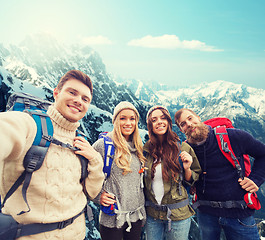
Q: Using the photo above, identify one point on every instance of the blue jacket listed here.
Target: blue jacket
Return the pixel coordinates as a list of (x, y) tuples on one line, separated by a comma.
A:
[(220, 183)]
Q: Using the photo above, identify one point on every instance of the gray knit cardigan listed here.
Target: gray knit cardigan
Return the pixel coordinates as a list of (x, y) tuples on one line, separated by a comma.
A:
[(128, 190)]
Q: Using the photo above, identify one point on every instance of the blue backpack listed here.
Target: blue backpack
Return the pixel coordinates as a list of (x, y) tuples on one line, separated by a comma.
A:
[(36, 107), (109, 153), (108, 159)]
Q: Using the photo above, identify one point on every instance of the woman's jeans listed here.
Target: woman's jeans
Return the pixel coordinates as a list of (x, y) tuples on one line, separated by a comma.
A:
[(234, 228), (157, 229)]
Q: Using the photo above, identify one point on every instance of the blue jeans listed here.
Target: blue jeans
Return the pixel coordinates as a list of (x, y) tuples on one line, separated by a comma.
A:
[(234, 228), (157, 229)]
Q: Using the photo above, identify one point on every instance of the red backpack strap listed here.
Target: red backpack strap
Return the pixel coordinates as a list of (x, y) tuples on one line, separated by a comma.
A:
[(226, 149), (247, 164)]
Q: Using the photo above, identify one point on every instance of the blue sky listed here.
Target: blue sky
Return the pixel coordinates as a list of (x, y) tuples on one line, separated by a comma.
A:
[(169, 41)]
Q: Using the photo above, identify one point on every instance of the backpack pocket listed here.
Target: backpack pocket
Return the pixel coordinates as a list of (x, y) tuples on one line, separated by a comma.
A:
[(110, 210), (252, 201), (8, 227)]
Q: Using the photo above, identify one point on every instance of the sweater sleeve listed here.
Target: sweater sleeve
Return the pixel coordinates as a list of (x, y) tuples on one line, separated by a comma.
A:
[(17, 133), (99, 147), (95, 178), (247, 144), (195, 166)]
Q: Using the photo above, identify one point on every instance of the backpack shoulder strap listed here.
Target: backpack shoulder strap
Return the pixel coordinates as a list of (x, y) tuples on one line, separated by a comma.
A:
[(226, 148), (44, 127), (109, 153), (35, 156), (83, 160)]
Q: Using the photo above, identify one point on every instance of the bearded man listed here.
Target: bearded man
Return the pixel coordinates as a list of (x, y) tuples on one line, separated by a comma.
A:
[(219, 189)]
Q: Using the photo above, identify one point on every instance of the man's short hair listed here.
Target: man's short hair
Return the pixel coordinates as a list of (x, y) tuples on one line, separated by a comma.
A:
[(78, 75)]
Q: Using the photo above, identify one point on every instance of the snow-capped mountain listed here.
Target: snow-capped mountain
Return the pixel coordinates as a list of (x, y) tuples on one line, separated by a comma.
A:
[(145, 91), (245, 106), (36, 65)]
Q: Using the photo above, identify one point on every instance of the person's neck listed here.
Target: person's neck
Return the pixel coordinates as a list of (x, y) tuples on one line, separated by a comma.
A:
[(160, 138), (127, 138), (59, 119), (199, 143)]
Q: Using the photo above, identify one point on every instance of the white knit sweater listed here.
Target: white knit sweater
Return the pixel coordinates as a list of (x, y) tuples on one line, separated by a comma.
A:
[(55, 193)]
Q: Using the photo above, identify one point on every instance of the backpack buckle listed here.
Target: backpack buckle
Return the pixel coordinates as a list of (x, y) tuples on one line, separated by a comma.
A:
[(68, 145), (162, 208), (47, 138), (65, 223), (32, 165), (216, 204), (110, 156), (27, 103)]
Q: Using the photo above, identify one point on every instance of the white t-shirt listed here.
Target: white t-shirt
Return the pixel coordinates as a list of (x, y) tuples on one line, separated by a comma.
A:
[(157, 184)]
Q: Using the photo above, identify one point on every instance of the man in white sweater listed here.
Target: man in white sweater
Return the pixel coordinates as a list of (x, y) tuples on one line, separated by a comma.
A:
[(55, 193)]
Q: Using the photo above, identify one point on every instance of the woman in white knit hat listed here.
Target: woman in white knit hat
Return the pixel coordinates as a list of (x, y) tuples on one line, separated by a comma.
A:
[(123, 189), (167, 202)]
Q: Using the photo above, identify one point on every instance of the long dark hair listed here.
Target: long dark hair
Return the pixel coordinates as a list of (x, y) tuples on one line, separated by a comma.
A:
[(167, 151)]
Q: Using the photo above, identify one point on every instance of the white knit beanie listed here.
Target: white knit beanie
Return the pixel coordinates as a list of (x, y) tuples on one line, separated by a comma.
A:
[(121, 106), (153, 109)]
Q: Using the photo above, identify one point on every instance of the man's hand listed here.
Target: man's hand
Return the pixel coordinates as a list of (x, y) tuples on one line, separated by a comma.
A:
[(248, 185), (85, 149)]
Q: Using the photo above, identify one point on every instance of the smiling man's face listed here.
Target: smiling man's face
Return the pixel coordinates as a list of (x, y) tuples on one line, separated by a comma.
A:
[(73, 100), (191, 125)]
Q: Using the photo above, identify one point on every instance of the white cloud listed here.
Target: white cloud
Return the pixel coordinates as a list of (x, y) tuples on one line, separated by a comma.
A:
[(171, 42), (96, 40)]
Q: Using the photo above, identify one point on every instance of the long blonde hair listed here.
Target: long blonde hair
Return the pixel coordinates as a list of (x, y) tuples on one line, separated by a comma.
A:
[(123, 156)]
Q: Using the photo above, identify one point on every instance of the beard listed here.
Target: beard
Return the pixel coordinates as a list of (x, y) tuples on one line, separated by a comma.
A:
[(200, 134)]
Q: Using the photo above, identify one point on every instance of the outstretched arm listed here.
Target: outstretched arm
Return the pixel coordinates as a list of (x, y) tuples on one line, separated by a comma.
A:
[(17, 132)]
